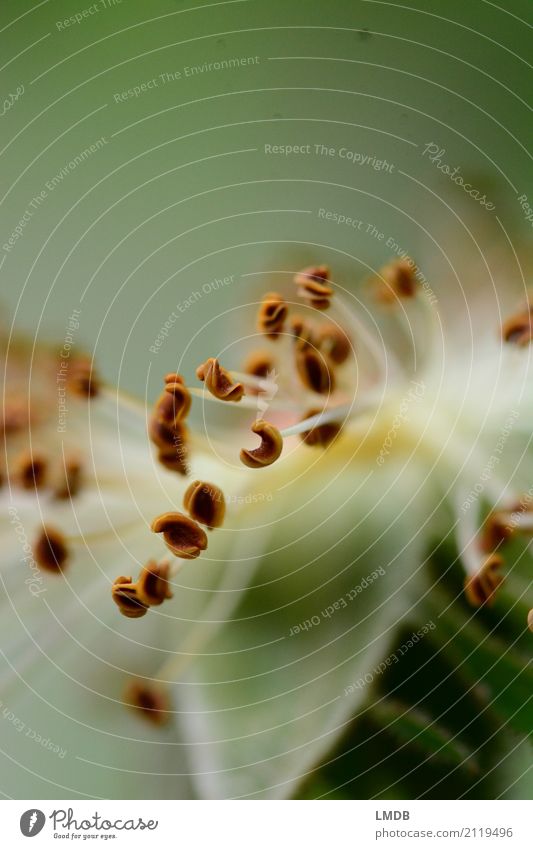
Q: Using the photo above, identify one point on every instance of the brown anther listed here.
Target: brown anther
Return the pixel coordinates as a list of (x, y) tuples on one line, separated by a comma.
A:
[(322, 434), (530, 620), (334, 342), (218, 382), (269, 450), (314, 371), (259, 363), (313, 286), (173, 405), (272, 314), (31, 470), (495, 531), (205, 503), (151, 700), (302, 331), (125, 594), (15, 415), (481, 587), (50, 549), (398, 280), (82, 379), (182, 535), (69, 481), (518, 329), (173, 377), (152, 584)]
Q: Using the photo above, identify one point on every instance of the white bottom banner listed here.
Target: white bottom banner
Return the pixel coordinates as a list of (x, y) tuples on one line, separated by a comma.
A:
[(264, 824)]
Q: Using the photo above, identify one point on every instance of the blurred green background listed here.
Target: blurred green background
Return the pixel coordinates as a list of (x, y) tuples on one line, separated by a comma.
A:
[(181, 192)]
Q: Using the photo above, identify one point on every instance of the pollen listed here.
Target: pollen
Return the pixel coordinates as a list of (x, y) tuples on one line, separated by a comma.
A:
[(218, 381), (182, 535), (269, 450), (150, 700), (272, 314), (205, 503), (313, 286), (50, 549), (31, 470), (397, 281), (481, 587), (518, 329), (314, 370), (321, 435)]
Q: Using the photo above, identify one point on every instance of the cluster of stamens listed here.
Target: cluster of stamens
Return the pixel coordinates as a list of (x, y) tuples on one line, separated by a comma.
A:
[(499, 528)]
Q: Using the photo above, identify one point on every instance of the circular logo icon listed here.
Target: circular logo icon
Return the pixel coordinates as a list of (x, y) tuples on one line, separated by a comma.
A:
[(32, 822)]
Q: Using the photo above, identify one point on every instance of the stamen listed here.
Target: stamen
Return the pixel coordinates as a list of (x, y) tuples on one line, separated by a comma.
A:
[(124, 594), (313, 286), (334, 341), (182, 535), (150, 700), (396, 280), (259, 364), (530, 620), (495, 531), (314, 370), (481, 587), (272, 314), (218, 381), (205, 503), (153, 587), (82, 379), (269, 450), (50, 549), (172, 445), (518, 329), (31, 470), (304, 336), (320, 435), (69, 484), (173, 404)]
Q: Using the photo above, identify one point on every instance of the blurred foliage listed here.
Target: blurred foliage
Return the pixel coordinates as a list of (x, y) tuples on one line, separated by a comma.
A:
[(451, 719)]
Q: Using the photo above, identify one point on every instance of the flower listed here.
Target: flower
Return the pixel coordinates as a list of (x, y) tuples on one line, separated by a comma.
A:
[(231, 672)]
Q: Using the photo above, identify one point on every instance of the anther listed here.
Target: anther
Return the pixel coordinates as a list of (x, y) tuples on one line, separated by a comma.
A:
[(334, 342), (302, 331), (530, 620), (218, 381), (69, 481), (398, 280), (50, 549), (313, 286), (321, 435), (183, 536), (481, 587), (269, 450), (272, 314), (150, 700), (82, 379), (259, 364), (495, 531), (173, 404), (124, 593), (205, 503), (314, 371), (518, 329), (31, 470)]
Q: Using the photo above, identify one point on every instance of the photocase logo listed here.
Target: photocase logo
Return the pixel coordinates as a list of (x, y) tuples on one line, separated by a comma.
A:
[(32, 822)]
